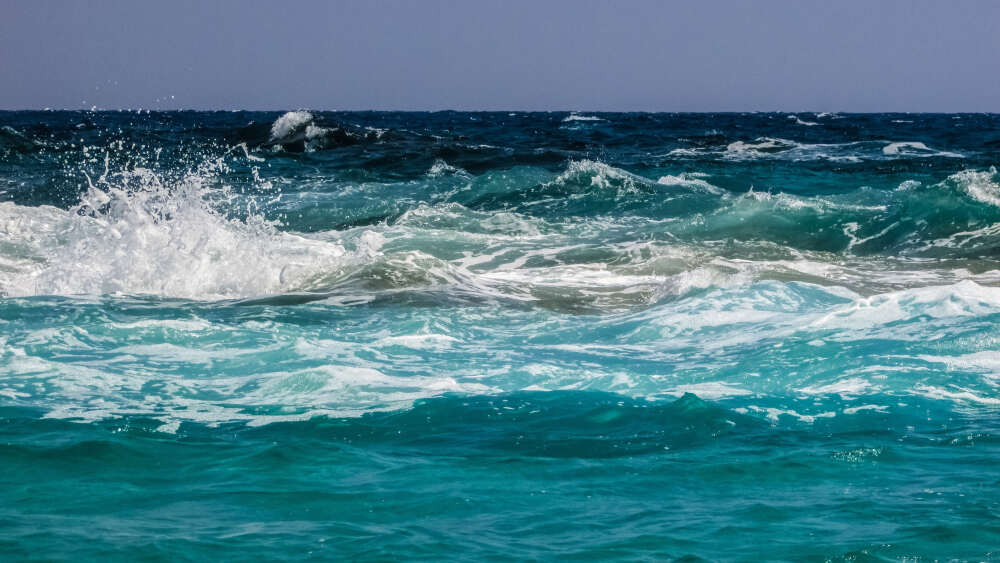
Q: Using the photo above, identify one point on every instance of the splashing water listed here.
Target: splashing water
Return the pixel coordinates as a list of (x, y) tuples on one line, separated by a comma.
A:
[(135, 233)]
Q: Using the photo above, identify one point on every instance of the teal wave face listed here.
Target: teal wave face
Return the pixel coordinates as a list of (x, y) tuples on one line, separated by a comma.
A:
[(498, 335)]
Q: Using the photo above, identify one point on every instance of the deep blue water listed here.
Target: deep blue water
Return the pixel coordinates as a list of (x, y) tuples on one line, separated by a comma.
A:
[(266, 336)]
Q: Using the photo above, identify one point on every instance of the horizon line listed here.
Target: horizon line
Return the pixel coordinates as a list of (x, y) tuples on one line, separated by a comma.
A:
[(452, 110)]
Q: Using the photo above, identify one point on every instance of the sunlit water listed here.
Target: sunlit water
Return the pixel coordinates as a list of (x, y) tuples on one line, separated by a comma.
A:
[(257, 336)]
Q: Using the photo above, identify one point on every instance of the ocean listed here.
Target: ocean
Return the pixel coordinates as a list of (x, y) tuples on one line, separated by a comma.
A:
[(301, 336)]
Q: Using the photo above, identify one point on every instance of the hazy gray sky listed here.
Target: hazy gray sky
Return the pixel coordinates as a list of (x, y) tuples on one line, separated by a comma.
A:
[(703, 55)]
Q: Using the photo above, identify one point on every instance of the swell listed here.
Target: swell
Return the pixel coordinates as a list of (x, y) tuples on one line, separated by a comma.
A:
[(189, 235), (958, 212)]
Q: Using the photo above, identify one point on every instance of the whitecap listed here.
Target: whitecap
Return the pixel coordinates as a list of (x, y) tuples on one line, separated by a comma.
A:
[(689, 180), (915, 148), (799, 121), (979, 184), (602, 176), (289, 123), (577, 117), (965, 298), (137, 233), (442, 168)]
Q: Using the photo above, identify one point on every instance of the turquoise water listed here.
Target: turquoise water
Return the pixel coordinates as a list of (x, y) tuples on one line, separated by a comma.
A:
[(247, 336)]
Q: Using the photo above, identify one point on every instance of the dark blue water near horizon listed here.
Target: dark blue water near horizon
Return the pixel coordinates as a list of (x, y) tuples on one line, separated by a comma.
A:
[(499, 335)]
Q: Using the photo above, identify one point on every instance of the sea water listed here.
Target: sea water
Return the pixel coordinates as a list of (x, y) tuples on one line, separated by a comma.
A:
[(306, 335)]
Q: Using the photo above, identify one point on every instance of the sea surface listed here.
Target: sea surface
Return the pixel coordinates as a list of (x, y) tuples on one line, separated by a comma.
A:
[(240, 336)]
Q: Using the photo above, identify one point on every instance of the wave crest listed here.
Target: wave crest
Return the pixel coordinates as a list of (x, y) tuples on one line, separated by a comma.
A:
[(135, 233)]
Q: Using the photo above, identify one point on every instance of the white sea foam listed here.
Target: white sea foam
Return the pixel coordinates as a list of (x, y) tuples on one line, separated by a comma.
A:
[(770, 147), (987, 361), (442, 168), (981, 185), (850, 387), (965, 298), (689, 180), (866, 408), (799, 121), (775, 414), (135, 233), (686, 152), (710, 390), (422, 341), (955, 393), (785, 149), (759, 146), (602, 176), (313, 132), (86, 393), (577, 117), (851, 230), (896, 148), (313, 371), (456, 217), (915, 148), (791, 202), (290, 123)]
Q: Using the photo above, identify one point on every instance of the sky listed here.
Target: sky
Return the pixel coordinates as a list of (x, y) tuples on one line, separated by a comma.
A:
[(625, 55)]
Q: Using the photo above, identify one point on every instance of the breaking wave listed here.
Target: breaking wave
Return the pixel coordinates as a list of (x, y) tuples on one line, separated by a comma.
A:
[(134, 232)]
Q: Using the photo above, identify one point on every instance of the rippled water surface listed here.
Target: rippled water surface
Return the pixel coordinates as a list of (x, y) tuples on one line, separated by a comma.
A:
[(308, 335)]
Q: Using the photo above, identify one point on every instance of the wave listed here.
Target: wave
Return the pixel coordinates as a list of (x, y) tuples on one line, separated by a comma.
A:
[(442, 168), (290, 124), (13, 141), (981, 185), (328, 362), (776, 148), (915, 219), (456, 217), (134, 233), (768, 310), (916, 148), (960, 212), (589, 188), (761, 145), (601, 176), (690, 180), (661, 294), (576, 117), (567, 241), (303, 131), (798, 121)]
